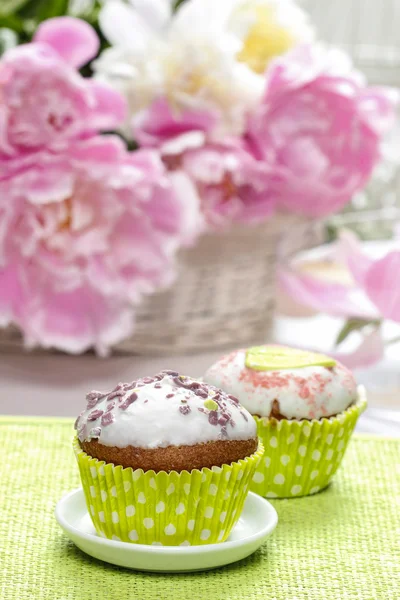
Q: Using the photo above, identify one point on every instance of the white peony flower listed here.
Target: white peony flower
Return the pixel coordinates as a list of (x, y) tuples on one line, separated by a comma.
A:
[(208, 55)]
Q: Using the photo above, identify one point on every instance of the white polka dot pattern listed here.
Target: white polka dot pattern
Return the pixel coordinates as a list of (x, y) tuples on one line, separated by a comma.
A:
[(166, 509), (302, 456)]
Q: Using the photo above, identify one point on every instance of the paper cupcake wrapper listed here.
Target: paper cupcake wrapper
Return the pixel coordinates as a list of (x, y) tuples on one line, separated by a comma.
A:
[(144, 507), (301, 457)]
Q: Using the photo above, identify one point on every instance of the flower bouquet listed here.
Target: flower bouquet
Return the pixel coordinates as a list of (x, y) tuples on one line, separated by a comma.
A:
[(202, 132)]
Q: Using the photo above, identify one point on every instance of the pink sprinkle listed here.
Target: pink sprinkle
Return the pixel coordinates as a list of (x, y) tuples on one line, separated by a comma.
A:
[(116, 394), (128, 401), (304, 392), (95, 414), (107, 419)]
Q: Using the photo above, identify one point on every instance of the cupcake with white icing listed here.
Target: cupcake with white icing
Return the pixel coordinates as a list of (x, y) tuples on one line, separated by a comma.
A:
[(165, 460), (305, 405)]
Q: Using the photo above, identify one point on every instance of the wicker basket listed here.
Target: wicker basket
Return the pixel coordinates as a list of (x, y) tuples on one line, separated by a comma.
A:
[(223, 296)]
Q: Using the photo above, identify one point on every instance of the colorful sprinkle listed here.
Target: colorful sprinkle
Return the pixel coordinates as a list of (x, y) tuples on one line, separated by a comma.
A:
[(128, 401), (213, 417), (211, 404), (110, 405), (185, 410), (95, 414), (107, 419), (116, 394), (92, 398), (95, 432)]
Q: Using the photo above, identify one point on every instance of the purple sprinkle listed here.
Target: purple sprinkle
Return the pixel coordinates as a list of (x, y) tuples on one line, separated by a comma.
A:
[(116, 394), (148, 379), (130, 386), (245, 417), (232, 423), (223, 434), (213, 417), (95, 414), (201, 409), (186, 383), (145, 401), (170, 395), (140, 384), (95, 395), (185, 410), (82, 432), (92, 398), (95, 432), (128, 401), (159, 377), (223, 419), (107, 419), (201, 393), (157, 386), (110, 405), (168, 372), (235, 400)]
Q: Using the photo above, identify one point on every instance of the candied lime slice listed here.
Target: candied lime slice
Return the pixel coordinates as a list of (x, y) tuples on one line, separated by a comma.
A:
[(275, 358)]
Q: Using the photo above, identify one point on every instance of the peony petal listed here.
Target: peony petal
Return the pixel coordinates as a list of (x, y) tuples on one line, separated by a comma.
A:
[(328, 298), (123, 26), (156, 13), (370, 351), (111, 107), (47, 183), (159, 124), (349, 251), (192, 220), (382, 284), (73, 39), (76, 321)]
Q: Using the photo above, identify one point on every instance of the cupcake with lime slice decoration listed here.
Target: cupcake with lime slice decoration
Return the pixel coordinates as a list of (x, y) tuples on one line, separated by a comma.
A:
[(306, 406), (165, 460)]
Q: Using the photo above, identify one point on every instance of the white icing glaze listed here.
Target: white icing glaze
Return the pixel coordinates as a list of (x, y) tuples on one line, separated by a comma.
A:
[(154, 421), (303, 393)]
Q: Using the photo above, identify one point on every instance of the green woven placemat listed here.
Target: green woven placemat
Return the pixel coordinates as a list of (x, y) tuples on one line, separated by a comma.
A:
[(341, 544)]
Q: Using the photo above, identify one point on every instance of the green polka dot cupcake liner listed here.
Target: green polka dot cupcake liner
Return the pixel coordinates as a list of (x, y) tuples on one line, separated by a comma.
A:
[(301, 457), (169, 509)]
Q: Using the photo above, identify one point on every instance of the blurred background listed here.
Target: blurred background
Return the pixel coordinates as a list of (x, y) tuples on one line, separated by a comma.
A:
[(225, 292)]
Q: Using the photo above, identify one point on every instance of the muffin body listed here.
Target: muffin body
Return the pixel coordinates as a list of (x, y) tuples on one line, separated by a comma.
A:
[(165, 460), (305, 405)]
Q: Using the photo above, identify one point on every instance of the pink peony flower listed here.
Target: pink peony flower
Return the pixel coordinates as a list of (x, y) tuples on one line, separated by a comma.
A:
[(370, 294), (83, 236), (44, 101), (158, 124), (232, 185), (319, 129)]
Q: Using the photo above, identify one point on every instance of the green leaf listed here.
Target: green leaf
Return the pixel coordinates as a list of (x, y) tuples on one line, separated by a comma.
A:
[(10, 7), (39, 10), (354, 325), (11, 22)]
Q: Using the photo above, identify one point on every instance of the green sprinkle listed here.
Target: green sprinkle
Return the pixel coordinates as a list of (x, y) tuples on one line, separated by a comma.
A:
[(211, 404)]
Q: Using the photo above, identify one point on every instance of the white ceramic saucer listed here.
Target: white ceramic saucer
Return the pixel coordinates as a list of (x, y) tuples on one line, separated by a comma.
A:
[(256, 522)]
